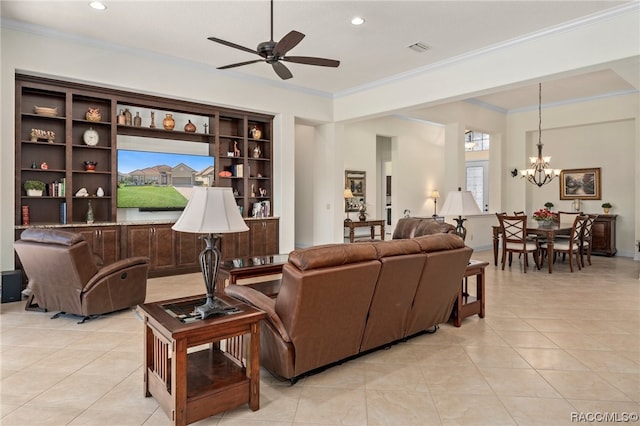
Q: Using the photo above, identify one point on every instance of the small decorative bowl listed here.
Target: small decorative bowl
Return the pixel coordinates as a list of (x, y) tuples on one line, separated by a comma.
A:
[(47, 111), (90, 166)]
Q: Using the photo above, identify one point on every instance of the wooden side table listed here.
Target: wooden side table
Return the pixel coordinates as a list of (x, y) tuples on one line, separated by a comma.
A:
[(467, 305), (222, 375), (353, 224), (249, 267)]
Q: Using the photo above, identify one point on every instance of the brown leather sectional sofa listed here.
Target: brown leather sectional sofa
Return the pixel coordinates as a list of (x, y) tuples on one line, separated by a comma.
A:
[(340, 300)]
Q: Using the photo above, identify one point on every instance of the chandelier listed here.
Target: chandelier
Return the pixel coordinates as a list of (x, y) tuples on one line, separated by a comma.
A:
[(539, 172)]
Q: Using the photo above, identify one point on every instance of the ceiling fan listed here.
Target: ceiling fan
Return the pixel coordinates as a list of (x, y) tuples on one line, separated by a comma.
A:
[(274, 52)]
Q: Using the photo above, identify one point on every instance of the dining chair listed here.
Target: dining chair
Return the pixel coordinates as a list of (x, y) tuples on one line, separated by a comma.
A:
[(587, 237), (568, 247), (514, 240)]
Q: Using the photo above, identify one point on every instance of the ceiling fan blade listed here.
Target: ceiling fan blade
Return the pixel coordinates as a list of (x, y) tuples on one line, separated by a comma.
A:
[(282, 71), (308, 60), (228, 43), (287, 43), (239, 64)]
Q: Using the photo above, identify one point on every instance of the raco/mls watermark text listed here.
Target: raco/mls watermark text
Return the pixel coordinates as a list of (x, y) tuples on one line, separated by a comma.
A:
[(604, 417)]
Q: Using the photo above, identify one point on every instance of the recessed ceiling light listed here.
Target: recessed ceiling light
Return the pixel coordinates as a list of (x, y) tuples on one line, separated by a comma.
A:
[(97, 5), (357, 21)]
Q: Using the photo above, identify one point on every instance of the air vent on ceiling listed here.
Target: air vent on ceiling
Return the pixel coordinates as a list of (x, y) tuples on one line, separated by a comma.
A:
[(419, 47)]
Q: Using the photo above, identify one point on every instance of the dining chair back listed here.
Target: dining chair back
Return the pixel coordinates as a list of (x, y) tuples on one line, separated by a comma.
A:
[(587, 237), (567, 218), (514, 240), (571, 246)]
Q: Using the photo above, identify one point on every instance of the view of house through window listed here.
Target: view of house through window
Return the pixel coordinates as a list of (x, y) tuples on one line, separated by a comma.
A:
[(476, 146)]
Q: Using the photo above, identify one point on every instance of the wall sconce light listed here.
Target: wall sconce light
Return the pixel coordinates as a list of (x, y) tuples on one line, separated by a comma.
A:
[(514, 172)]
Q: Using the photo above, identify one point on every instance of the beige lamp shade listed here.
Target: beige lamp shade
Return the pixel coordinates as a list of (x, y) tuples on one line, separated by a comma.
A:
[(460, 203), (435, 194), (348, 193), (211, 210)]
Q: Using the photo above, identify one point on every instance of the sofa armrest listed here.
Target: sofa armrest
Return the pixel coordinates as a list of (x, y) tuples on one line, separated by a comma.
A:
[(260, 301), (113, 268)]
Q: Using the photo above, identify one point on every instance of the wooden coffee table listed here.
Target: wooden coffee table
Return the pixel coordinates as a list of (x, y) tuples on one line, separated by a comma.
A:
[(223, 374)]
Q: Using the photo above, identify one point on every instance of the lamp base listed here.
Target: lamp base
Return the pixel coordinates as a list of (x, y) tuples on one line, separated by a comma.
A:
[(460, 230), (212, 307)]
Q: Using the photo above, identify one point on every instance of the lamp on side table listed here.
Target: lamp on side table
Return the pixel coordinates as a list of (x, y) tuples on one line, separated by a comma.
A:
[(210, 211), (460, 203)]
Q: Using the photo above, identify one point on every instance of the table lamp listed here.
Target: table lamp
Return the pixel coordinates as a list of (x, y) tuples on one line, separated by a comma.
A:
[(347, 194), (460, 203), (211, 211), (435, 195)]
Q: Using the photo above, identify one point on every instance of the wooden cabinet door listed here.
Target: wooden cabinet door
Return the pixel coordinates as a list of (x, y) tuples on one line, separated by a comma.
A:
[(264, 237), (188, 248), (107, 244), (155, 242), (235, 245), (163, 255)]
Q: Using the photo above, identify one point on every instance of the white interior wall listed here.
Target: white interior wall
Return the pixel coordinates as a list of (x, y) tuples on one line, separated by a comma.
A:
[(146, 72), (304, 175)]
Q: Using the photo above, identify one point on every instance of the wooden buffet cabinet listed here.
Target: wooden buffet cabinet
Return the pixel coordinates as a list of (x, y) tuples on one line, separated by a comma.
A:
[(604, 235), (229, 136)]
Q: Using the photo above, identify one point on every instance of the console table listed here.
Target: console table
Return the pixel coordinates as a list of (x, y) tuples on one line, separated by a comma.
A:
[(353, 224), (195, 385)]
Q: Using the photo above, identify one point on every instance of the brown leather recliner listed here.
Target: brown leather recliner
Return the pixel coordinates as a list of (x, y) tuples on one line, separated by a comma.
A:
[(64, 276), (409, 227)]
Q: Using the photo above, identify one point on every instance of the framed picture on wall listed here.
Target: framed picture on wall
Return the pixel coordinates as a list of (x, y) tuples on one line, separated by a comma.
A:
[(356, 181), (583, 184)]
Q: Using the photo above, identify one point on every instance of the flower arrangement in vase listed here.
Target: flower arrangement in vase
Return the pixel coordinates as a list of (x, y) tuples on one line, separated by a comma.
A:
[(545, 217)]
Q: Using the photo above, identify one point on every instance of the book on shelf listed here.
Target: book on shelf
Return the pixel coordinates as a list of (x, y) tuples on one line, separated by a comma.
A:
[(63, 212)]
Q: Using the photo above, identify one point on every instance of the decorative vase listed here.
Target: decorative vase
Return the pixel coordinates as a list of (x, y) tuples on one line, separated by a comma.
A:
[(169, 123), (127, 117), (362, 216), (257, 152), (137, 120), (606, 210), (121, 119), (190, 127), (89, 213), (34, 192), (545, 223), (93, 114), (255, 132), (90, 166)]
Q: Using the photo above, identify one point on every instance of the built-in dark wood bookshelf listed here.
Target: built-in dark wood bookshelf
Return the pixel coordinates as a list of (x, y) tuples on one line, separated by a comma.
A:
[(247, 160)]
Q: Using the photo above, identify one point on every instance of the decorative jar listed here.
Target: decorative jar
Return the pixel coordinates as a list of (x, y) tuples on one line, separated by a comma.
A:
[(169, 123)]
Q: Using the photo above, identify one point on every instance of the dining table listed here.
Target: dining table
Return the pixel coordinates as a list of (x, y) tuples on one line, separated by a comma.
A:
[(547, 231)]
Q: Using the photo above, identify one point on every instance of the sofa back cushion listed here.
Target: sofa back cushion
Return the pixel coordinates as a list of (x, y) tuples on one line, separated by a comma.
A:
[(324, 309), (430, 227), (405, 228), (402, 262), (446, 261), (327, 255), (59, 265)]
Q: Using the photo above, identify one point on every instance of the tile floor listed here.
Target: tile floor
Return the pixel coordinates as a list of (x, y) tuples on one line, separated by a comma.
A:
[(550, 346)]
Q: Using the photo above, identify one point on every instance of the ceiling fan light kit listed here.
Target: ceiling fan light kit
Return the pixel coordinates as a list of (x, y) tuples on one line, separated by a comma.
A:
[(274, 53)]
